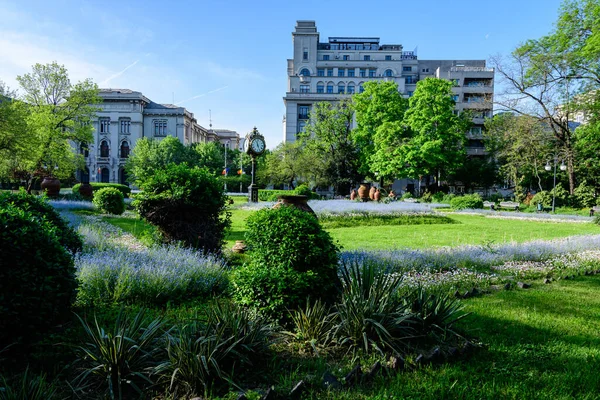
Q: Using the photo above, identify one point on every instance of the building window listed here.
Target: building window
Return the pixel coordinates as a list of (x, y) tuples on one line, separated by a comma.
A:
[(305, 72), (389, 73), (84, 150), (367, 58), (361, 89), (305, 54), (455, 82), (455, 98), (425, 70), (475, 130), (160, 127), (124, 149), (124, 125), (304, 88), (340, 72), (410, 93), (410, 80), (330, 88), (123, 176), (351, 72), (320, 88), (406, 69), (341, 88), (301, 126), (320, 72), (104, 175), (104, 125), (372, 73), (388, 58), (350, 88), (346, 57), (362, 72), (104, 149), (303, 112), (325, 57), (330, 72)]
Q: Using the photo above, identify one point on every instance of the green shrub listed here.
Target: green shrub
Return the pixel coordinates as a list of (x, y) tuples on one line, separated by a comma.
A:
[(37, 277), (126, 190), (109, 200), (438, 197), (313, 326), (562, 196), (407, 195), (42, 211), (371, 317), (187, 205), (117, 361), (28, 387), (427, 197), (448, 198), (470, 201), (585, 195), (544, 197), (271, 195), (292, 258)]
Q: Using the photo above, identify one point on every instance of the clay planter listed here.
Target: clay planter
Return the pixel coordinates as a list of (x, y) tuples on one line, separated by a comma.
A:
[(372, 193), (377, 195), (353, 194), (85, 190), (300, 202), (363, 191), (51, 186), (239, 247)]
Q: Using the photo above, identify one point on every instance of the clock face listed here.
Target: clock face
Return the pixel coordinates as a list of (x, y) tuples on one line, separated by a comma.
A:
[(258, 145)]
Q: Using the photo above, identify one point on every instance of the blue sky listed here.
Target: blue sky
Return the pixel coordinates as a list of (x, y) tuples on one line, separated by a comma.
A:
[(230, 56)]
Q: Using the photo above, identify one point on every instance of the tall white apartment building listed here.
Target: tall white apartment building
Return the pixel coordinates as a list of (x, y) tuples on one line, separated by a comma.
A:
[(332, 70), (124, 117)]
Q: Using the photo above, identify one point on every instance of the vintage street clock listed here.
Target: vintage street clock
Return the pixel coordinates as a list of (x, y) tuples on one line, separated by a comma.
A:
[(254, 145)]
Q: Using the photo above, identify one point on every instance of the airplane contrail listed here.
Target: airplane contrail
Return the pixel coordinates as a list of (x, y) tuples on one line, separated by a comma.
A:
[(201, 95), (110, 78)]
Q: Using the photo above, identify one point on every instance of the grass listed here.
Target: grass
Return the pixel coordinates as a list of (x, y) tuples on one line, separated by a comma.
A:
[(346, 221), (470, 229), (139, 228), (540, 344)]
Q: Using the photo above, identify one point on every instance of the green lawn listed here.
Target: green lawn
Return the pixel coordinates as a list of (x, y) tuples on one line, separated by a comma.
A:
[(137, 227), (541, 343), (469, 229)]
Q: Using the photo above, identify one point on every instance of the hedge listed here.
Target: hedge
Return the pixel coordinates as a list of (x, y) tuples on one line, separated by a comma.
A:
[(271, 195), (126, 190)]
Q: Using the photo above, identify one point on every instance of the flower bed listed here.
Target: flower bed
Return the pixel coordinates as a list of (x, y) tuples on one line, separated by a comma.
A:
[(528, 216)]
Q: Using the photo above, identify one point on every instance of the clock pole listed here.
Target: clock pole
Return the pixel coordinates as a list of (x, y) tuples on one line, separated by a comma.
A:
[(255, 146)]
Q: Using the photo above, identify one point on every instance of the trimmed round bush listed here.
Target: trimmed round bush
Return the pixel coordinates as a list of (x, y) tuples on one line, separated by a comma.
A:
[(39, 208), (187, 205), (109, 200), (37, 277), (544, 197), (467, 201), (292, 258)]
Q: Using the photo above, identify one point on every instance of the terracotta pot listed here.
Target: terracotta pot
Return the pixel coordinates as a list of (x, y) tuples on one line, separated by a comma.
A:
[(377, 195), (85, 190), (300, 202), (372, 193), (363, 191), (353, 194), (51, 186), (239, 247)]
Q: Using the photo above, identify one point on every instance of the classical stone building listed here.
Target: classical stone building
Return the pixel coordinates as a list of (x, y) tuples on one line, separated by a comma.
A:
[(332, 70), (125, 116)]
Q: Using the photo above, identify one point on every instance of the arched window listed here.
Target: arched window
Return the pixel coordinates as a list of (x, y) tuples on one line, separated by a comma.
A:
[(104, 149), (350, 88), (361, 88), (104, 175), (389, 73), (83, 150), (341, 88), (124, 149), (84, 175), (123, 176), (305, 72)]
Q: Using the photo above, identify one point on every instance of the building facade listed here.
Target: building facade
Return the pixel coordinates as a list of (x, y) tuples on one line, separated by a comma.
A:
[(338, 68), (124, 117)]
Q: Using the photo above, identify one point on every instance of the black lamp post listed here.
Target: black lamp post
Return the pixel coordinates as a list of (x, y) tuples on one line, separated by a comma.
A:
[(548, 168)]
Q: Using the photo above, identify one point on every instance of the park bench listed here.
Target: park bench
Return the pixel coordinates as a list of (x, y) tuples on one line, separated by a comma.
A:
[(513, 205), (410, 200), (489, 204), (594, 210)]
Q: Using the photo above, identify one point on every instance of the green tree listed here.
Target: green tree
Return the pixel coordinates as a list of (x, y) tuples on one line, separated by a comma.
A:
[(436, 142), (14, 136), (150, 155), (522, 145), (285, 165), (58, 113), (328, 139), (212, 156), (378, 104)]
